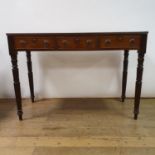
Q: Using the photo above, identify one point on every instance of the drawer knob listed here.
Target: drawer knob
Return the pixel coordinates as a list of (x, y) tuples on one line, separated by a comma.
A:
[(65, 43), (77, 39), (132, 41), (107, 42), (23, 42), (46, 43), (34, 41), (120, 38), (88, 42)]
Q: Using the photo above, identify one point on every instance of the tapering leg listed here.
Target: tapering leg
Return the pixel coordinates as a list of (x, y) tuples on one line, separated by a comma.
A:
[(30, 74), (125, 73), (138, 83), (17, 85)]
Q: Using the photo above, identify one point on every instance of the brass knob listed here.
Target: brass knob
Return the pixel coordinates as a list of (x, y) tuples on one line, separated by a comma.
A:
[(23, 42), (77, 41), (46, 43), (88, 42), (120, 38), (107, 42), (132, 41), (34, 41), (65, 43)]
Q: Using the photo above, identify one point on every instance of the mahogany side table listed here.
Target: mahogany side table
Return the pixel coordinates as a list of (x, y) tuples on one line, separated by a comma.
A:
[(30, 42)]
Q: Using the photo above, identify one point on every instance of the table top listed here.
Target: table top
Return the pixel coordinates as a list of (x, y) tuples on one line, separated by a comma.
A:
[(78, 33)]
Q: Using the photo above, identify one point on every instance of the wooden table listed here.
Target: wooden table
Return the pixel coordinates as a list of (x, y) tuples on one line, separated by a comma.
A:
[(29, 42)]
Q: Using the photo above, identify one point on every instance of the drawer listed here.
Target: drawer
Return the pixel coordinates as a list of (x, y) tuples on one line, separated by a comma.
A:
[(33, 43), (118, 42), (76, 42)]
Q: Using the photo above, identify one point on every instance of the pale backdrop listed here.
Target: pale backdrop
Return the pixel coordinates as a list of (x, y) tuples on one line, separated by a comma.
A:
[(80, 74)]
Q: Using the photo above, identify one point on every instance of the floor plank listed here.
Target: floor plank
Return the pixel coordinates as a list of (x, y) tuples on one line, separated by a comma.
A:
[(67, 126), (93, 151)]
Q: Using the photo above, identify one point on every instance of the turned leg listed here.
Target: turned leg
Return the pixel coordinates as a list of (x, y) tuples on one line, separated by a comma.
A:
[(125, 73), (30, 74), (16, 84), (138, 83)]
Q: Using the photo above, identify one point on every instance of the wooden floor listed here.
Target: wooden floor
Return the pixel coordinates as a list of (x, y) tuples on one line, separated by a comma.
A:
[(77, 127)]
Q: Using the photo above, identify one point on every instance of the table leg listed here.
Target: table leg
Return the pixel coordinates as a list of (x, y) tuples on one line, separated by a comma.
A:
[(16, 84), (138, 83), (30, 74), (125, 73)]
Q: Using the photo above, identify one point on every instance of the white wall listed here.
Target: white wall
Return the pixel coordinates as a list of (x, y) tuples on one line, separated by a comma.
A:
[(80, 74)]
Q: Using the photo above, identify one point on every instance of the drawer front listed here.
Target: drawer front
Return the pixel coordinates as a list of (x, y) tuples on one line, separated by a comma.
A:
[(118, 42), (34, 43), (76, 43)]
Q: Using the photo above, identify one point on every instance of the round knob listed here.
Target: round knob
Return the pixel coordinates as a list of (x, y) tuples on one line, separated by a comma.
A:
[(77, 41), (120, 38), (132, 41), (65, 43), (34, 41), (107, 42), (46, 43), (88, 42), (23, 42)]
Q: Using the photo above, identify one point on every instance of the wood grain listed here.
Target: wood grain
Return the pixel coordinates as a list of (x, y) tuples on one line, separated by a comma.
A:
[(77, 126)]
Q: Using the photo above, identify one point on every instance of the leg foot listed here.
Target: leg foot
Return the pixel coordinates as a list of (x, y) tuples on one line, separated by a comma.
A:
[(32, 99), (20, 115), (135, 116), (122, 99)]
